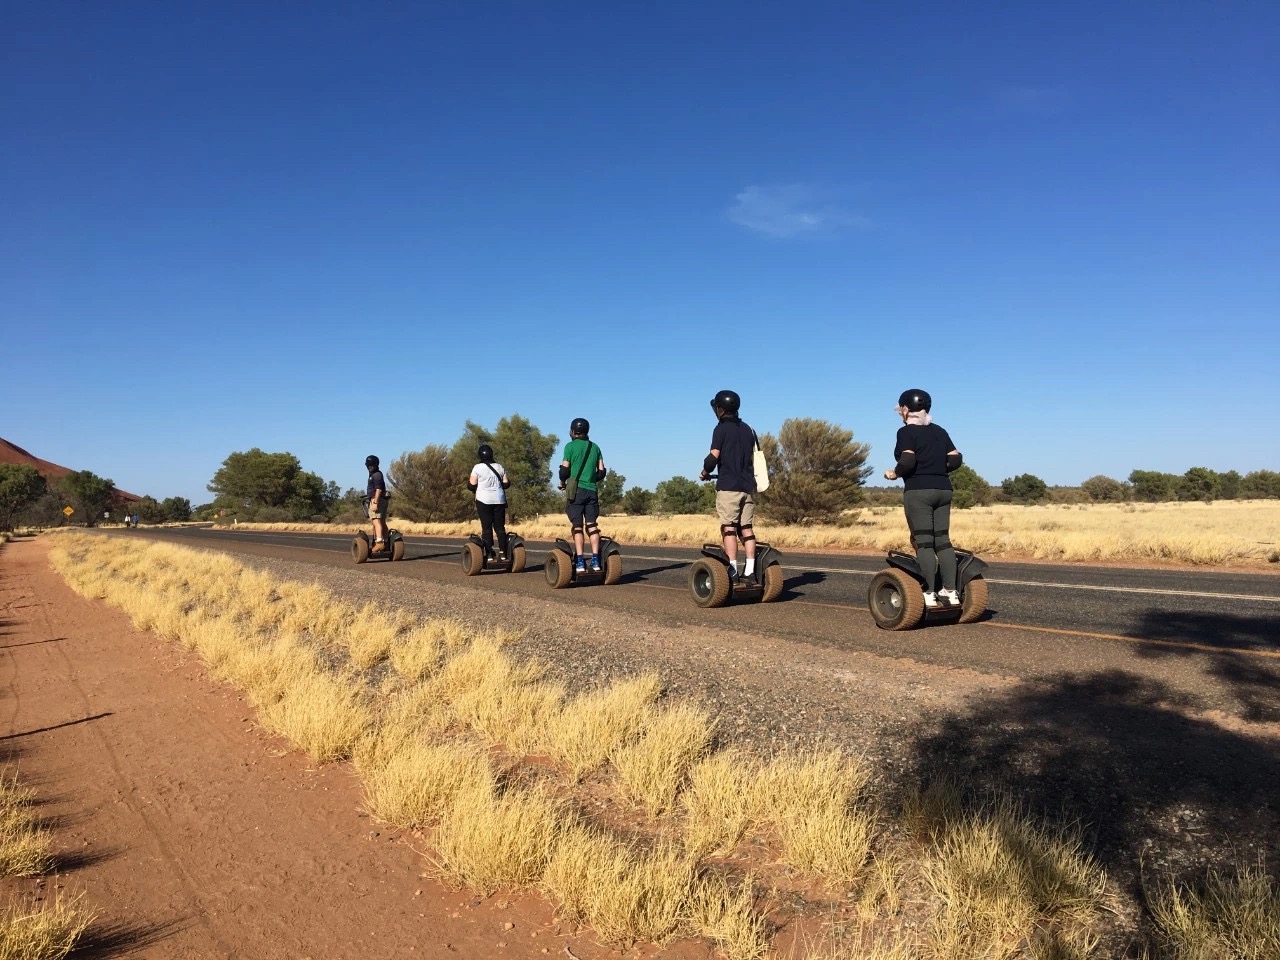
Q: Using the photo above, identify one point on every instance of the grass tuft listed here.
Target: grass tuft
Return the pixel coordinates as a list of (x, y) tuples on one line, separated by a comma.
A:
[(652, 768), (490, 840), (1228, 917), (24, 846), (591, 726), (47, 932), (415, 784), (624, 892)]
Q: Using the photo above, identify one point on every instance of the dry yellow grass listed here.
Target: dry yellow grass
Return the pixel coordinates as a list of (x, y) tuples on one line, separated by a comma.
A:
[(813, 802), (720, 803), (428, 743), (652, 768), (24, 846), (416, 783), (626, 893), (726, 915), (1226, 532), (45, 932), (593, 725), (490, 840), (1008, 887), (1227, 918)]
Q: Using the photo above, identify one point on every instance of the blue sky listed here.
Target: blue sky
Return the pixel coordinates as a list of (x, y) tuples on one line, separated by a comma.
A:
[(341, 229)]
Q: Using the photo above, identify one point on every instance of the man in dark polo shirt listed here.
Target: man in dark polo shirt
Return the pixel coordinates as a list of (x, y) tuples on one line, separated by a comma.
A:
[(377, 493), (733, 445)]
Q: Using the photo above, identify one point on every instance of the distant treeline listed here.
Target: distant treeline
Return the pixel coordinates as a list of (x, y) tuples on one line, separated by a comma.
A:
[(1142, 486)]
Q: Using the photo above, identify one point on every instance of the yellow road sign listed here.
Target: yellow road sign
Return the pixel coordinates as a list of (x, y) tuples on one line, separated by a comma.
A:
[(68, 510)]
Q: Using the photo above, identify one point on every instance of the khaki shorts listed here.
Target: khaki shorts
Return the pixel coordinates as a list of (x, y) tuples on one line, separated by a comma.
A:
[(734, 507), (379, 512)]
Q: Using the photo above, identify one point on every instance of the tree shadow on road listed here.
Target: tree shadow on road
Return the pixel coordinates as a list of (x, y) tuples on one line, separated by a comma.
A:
[(1234, 643), (1124, 755)]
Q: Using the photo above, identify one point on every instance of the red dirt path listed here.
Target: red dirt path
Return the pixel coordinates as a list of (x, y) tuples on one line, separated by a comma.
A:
[(191, 832)]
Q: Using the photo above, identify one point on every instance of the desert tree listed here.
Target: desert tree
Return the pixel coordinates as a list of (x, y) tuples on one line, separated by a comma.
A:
[(430, 485), (969, 489), (1103, 489), (88, 494), (682, 495), (816, 470), (21, 485), (1025, 488)]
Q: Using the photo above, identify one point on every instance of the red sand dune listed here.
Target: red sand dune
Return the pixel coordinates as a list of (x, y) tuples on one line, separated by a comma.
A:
[(52, 472)]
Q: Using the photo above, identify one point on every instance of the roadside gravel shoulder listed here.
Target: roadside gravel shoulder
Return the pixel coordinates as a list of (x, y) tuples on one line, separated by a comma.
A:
[(763, 692)]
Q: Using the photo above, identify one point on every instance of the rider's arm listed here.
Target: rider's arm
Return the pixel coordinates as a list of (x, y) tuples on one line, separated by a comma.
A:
[(473, 482), (601, 470), (905, 466), (954, 461), (711, 461)]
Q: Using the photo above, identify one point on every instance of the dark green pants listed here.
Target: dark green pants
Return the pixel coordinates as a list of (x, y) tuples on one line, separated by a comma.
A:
[(929, 517)]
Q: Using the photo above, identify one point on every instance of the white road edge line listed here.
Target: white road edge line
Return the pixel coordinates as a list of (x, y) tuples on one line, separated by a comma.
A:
[(872, 573)]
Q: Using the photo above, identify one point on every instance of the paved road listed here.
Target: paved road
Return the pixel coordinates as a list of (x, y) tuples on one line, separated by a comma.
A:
[(1043, 617)]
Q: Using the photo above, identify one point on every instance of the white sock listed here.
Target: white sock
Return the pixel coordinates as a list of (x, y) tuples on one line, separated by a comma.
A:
[(750, 567)]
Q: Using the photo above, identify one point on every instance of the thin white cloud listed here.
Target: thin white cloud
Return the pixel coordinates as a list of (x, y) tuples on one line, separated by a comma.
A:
[(789, 210)]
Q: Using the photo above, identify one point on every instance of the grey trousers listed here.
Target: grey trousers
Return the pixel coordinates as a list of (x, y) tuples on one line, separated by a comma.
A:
[(929, 517)]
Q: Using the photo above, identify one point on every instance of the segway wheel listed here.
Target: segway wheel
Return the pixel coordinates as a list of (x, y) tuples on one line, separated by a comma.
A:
[(472, 559), (359, 549), (709, 583), (896, 600), (774, 581), (397, 550), (974, 602), (558, 568), (517, 559), (612, 569)]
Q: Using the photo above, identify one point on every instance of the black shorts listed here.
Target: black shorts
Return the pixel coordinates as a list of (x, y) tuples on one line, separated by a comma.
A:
[(585, 505)]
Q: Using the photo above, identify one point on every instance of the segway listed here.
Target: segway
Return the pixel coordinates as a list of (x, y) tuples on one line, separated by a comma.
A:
[(560, 567), (896, 595), (476, 558), (711, 585), (362, 547)]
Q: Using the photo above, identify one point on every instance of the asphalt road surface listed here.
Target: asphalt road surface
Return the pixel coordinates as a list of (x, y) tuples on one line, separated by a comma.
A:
[(1214, 636)]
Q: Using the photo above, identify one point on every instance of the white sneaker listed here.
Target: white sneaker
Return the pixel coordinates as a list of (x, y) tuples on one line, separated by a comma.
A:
[(950, 597), (930, 599)]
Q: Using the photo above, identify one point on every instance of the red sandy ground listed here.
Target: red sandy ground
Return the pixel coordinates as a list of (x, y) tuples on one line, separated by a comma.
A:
[(190, 832)]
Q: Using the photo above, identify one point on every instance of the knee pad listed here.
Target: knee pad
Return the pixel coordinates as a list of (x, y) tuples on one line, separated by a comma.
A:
[(941, 541), (728, 529), (575, 530), (923, 539), (592, 529), (746, 533)]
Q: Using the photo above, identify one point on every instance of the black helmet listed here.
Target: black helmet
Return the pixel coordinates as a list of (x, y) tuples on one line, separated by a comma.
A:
[(371, 461), (726, 400), (580, 427), (485, 453), (915, 400)]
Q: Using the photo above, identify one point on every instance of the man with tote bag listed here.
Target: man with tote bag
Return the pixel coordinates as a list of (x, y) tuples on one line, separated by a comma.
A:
[(741, 473)]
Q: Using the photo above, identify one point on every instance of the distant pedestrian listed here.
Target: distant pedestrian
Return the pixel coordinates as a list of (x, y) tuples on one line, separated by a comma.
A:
[(926, 456), (732, 456), (489, 482)]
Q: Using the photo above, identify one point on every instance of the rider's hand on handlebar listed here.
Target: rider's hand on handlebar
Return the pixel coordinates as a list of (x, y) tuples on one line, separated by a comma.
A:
[(704, 475), (890, 475)]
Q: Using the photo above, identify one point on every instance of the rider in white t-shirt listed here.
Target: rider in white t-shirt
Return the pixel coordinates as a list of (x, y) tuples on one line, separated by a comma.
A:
[(489, 482)]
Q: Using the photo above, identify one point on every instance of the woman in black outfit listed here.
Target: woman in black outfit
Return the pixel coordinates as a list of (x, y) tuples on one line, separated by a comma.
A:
[(925, 456)]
